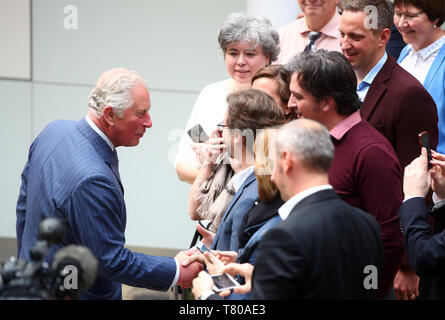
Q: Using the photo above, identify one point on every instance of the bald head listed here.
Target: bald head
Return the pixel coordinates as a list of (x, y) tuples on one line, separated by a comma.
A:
[(114, 88), (309, 141)]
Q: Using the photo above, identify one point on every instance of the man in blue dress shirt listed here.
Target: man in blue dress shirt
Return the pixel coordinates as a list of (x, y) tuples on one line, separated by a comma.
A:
[(72, 173)]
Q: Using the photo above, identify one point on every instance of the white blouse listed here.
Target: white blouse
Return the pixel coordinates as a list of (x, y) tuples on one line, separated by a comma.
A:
[(209, 110), (419, 63)]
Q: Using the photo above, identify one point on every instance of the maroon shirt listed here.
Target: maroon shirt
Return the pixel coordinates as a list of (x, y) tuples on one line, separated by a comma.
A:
[(366, 174)]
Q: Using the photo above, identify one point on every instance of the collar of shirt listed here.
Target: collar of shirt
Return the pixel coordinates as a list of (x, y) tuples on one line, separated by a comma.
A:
[(99, 132), (330, 29), (345, 125), (239, 178), (363, 86), (287, 207), (433, 48)]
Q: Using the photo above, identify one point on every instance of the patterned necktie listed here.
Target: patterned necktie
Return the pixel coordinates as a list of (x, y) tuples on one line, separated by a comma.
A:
[(313, 36), (115, 167), (116, 159)]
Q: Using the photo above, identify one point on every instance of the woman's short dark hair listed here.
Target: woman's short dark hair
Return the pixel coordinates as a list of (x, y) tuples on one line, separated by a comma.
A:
[(327, 74), (434, 9)]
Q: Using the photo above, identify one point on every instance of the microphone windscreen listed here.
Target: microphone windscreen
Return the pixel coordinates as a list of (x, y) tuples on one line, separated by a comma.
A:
[(81, 257)]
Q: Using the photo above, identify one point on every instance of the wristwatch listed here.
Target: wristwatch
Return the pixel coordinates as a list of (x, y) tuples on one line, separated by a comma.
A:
[(205, 295)]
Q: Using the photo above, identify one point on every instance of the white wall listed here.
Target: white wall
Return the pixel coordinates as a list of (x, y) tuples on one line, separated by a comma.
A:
[(15, 27), (170, 43), (279, 12)]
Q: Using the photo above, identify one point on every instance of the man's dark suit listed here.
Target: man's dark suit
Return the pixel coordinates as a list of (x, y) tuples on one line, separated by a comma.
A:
[(319, 252), (399, 107), (426, 249), (71, 173)]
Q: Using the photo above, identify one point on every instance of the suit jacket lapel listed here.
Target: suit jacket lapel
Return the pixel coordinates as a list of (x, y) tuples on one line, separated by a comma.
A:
[(102, 148), (377, 89), (248, 181)]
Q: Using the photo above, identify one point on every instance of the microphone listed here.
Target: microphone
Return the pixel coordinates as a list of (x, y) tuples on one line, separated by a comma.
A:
[(84, 263)]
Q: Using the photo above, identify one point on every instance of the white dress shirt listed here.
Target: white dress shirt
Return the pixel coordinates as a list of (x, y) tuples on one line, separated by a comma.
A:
[(287, 207), (239, 178), (99, 132)]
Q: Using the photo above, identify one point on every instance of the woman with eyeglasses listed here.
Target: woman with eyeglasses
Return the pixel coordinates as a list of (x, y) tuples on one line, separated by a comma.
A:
[(248, 43), (419, 22)]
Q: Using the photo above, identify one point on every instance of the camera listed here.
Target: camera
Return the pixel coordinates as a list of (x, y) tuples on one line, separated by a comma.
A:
[(73, 269)]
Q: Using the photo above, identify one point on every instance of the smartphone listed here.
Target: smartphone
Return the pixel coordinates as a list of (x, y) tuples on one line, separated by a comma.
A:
[(424, 141), (197, 134), (223, 281), (202, 247)]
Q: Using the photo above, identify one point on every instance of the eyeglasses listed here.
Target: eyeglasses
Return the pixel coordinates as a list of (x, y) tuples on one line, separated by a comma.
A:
[(408, 16), (222, 125)]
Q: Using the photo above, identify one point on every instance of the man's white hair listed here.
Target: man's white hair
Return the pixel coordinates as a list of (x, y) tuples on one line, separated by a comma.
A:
[(113, 88)]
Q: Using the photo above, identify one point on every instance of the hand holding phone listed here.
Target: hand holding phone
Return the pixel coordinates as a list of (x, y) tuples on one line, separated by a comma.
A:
[(213, 264), (223, 281), (424, 141)]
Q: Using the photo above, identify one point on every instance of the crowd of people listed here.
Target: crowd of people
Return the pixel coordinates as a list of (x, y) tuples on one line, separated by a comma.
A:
[(312, 173)]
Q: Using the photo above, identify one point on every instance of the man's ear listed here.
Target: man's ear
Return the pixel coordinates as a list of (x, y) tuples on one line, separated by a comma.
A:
[(109, 115), (286, 161), (384, 36), (327, 104)]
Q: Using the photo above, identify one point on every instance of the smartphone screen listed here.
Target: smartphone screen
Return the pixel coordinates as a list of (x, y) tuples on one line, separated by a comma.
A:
[(202, 247), (223, 281)]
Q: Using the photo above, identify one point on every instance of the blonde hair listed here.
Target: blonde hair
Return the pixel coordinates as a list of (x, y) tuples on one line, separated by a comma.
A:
[(264, 148)]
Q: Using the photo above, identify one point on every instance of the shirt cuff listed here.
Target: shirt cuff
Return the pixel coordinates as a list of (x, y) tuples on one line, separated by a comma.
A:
[(437, 201), (406, 199), (175, 280)]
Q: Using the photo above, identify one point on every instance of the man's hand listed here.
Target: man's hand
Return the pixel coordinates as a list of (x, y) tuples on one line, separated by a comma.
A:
[(406, 284), (207, 236), (202, 283), (213, 264), (189, 272), (245, 270), (416, 180), (438, 174), (226, 256)]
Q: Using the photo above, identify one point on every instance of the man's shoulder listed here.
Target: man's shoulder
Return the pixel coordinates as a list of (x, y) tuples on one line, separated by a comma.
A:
[(364, 134), (398, 78)]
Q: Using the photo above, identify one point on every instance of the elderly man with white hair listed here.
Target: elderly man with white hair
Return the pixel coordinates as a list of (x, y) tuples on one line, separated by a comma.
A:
[(72, 173)]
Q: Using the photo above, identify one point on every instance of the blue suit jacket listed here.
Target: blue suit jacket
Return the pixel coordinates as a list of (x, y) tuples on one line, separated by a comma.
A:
[(71, 174), (226, 238), (435, 84)]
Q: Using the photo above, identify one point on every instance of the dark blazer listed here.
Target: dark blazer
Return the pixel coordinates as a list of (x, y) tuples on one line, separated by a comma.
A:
[(425, 248), (71, 173), (319, 252), (226, 237), (399, 107)]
